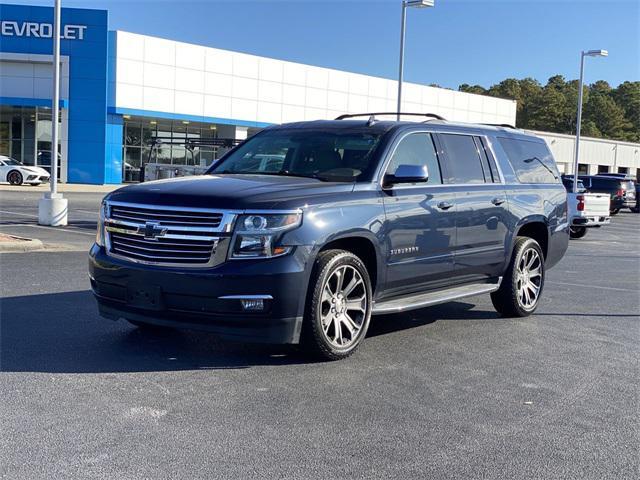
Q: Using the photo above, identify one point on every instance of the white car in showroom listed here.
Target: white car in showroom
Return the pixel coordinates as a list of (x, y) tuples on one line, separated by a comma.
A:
[(16, 173)]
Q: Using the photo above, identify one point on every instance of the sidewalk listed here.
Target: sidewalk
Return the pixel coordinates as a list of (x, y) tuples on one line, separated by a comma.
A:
[(62, 187)]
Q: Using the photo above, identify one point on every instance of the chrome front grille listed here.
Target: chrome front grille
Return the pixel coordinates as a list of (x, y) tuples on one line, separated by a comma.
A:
[(169, 236), (198, 218)]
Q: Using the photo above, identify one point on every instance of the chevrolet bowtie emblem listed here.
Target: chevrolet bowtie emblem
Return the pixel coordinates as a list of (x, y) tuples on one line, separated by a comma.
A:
[(152, 230)]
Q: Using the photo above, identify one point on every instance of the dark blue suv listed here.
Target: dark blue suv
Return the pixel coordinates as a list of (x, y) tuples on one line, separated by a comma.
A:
[(305, 230)]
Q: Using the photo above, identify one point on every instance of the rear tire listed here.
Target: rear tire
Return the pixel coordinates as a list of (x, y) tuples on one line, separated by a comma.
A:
[(522, 283), (635, 209), (338, 309), (577, 232), (15, 178)]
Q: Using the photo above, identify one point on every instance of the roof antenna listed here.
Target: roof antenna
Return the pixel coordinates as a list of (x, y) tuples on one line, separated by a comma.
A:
[(371, 121)]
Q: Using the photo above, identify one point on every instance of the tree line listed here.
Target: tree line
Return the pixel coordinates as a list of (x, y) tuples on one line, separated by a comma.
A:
[(607, 112)]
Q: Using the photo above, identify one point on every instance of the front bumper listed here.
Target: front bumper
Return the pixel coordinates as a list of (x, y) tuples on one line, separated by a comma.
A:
[(191, 299)]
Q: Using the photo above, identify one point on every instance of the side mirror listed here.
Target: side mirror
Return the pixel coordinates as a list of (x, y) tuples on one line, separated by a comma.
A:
[(407, 174)]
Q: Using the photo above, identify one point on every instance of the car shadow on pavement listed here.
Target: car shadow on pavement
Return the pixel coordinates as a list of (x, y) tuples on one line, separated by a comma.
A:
[(62, 333)]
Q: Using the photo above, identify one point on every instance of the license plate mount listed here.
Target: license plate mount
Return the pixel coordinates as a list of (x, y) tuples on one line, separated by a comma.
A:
[(147, 297)]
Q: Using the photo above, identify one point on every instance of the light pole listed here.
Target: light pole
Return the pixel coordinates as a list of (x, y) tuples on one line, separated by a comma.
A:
[(52, 208), (405, 4), (588, 53)]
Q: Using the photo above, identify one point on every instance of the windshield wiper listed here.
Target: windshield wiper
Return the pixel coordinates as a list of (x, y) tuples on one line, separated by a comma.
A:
[(281, 173)]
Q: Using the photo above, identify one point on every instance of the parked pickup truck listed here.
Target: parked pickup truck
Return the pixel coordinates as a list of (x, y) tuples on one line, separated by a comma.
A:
[(304, 231), (586, 210)]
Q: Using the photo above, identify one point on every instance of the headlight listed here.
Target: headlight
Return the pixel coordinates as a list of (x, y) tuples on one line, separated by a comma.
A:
[(257, 234), (100, 230)]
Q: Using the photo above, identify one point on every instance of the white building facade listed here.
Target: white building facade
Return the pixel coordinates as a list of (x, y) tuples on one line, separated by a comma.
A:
[(121, 89)]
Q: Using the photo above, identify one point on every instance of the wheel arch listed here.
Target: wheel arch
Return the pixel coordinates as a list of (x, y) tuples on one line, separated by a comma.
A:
[(535, 227), (364, 246)]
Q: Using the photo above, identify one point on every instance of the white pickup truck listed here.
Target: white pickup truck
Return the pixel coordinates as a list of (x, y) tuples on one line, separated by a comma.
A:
[(586, 210)]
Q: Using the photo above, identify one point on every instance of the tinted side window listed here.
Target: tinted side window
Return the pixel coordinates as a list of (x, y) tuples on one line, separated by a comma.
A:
[(417, 149), (532, 161), (463, 160)]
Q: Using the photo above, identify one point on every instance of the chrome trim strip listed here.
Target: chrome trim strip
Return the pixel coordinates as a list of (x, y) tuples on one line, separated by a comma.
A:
[(179, 228), (246, 297), (148, 206), (387, 160), (170, 236)]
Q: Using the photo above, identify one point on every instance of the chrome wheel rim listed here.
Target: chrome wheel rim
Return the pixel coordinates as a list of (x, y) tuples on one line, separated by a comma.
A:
[(343, 307), (529, 278)]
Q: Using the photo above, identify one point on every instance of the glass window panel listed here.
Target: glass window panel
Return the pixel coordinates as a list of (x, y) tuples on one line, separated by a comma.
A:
[(133, 135), (463, 160), (148, 132), (179, 131), (206, 157), (417, 149), (531, 160), (16, 126), (163, 153), (16, 149), (29, 132), (28, 152), (131, 165), (5, 129), (178, 155), (4, 147), (145, 155), (206, 132)]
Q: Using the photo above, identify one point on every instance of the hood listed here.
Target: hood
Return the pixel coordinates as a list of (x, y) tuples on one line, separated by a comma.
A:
[(230, 191), (35, 170)]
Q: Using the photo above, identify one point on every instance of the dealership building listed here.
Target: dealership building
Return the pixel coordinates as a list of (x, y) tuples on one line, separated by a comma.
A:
[(121, 89)]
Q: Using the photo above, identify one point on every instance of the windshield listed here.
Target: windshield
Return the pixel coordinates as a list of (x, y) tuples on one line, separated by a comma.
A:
[(338, 156), (10, 161)]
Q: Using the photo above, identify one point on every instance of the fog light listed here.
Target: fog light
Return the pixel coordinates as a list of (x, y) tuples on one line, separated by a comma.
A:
[(253, 305)]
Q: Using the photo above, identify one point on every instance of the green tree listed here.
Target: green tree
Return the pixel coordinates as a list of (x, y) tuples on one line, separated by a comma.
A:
[(607, 115), (627, 96), (477, 89), (547, 110)]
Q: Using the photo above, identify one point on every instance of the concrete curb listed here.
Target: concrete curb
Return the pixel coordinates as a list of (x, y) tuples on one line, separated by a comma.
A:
[(62, 188), (21, 245)]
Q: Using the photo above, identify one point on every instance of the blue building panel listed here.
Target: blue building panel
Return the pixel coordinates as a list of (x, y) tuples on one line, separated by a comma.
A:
[(87, 50)]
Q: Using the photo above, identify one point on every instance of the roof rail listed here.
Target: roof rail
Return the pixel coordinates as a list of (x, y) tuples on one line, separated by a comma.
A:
[(505, 125), (373, 114)]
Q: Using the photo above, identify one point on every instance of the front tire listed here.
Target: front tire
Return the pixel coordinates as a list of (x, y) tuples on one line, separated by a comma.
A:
[(15, 178), (338, 308), (522, 284), (577, 232)]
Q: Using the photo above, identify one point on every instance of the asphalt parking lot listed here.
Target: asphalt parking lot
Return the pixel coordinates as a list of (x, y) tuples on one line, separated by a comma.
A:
[(451, 391)]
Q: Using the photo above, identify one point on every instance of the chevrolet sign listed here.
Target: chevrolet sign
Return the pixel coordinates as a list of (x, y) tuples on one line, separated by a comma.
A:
[(10, 28)]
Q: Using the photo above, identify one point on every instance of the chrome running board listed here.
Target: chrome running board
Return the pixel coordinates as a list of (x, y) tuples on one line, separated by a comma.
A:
[(425, 299)]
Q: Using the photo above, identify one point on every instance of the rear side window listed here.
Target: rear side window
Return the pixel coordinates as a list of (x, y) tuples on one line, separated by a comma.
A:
[(417, 149), (464, 164), (532, 161)]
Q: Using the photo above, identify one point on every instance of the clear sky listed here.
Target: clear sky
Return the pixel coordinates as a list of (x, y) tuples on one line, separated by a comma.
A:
[(458, 41)]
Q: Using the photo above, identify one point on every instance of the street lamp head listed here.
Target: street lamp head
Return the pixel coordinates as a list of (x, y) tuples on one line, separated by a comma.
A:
[(596, 53), (420, 3)]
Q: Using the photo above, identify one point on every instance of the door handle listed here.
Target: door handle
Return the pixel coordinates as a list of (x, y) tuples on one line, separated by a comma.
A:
[(497, 201), (445, 205)]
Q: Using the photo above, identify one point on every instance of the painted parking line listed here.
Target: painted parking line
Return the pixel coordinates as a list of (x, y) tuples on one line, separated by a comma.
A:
[(19, 214), (592, 286), (58, 229)]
